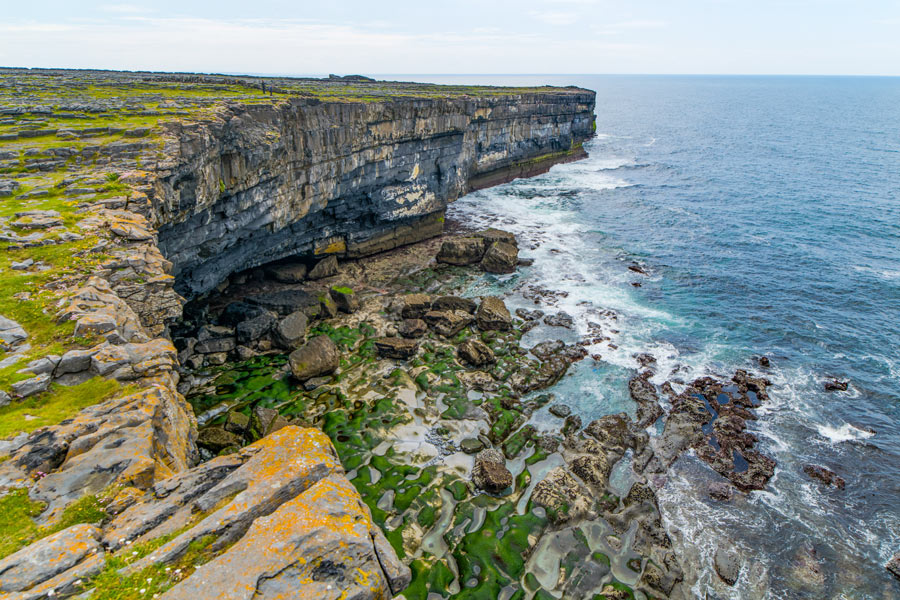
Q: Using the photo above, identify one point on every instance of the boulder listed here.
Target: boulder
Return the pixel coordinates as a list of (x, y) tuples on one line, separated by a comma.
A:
[(461, 251), (727, 565), (836, 385), (500, 258), (560, 320), (215, 439), (471, 445), (345, 299), (237, 422), (493, 315), (475, 353), (414, 306), (399, 348), (824, 475), (454, 303), (32, 386), (327, 267), (286, 302), (328, 308), (255, 328), (412, 328), (893, 566), (319, 356), (237, 312), (291, 330), (11, 332), (490, 473), (292, 272), (492, 235), (448, 322), (560, 410)]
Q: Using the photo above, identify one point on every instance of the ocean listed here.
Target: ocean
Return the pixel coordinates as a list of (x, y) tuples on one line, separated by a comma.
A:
[(765, 212)]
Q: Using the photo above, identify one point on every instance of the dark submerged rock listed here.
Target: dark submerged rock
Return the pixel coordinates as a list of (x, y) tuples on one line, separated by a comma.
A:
[(824, 475)]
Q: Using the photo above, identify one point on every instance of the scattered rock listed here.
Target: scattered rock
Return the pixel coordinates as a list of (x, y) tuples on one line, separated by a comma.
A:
[(326, 267), (560, 410), (471, 445), (21, 266), (645, 359), (836, 385), (727, 565), (32, 386), (448, 322), (560, 494), (11, 333), (893, 566), (461, 251), (255, 328), (763, 361), (529, 315), (455, 303), (490, 473), (824, 475), (500, 258), (319, 356), (237, 422), (492, 235), (475, 353), (291, 330), (414, 306), (560, 320), (394, 347), (636, 268), (345, 298), (412, 328), (493, 315), (215, 439)]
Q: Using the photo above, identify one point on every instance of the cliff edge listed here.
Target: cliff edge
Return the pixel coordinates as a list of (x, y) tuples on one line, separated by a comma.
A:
[(123, 193)]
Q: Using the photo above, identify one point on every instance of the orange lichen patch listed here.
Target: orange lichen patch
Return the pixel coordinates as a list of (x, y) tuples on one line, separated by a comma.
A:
[(326, 528), (334, 246)]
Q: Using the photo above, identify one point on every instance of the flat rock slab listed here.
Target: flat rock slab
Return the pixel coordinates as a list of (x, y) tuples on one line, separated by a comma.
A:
[(11, 332), (319, 545), (49, 557)]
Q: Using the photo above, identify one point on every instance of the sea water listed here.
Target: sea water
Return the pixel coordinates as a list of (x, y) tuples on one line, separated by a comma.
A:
[(766, 214)]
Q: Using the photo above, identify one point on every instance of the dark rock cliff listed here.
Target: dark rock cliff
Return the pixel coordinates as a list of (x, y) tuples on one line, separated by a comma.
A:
[(304, 177)]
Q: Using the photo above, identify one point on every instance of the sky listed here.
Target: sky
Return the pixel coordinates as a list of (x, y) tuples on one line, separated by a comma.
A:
[(299, 37)]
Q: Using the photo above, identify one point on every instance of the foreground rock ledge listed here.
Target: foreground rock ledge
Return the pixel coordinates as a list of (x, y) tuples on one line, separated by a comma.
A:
[(280, 517)]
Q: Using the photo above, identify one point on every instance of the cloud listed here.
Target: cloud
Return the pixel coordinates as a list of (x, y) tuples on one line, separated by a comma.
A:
[(555, 17)]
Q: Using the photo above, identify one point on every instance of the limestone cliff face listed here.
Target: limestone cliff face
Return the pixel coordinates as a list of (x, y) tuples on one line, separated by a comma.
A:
[(305, 177)]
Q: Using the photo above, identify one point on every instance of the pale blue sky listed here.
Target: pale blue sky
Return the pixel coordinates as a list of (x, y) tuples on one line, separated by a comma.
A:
[(460, 36)]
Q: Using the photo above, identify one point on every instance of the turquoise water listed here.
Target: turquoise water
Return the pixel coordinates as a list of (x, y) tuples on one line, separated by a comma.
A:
[(766, 211)]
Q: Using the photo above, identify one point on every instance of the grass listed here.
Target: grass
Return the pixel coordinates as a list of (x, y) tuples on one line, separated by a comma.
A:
[(55, 405), (17, 513)]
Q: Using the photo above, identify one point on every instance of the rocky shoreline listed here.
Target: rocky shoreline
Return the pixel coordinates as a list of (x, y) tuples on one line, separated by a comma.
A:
[(428, 396)]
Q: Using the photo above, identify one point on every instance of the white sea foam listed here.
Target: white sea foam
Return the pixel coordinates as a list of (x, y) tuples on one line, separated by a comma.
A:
[(844, 433)]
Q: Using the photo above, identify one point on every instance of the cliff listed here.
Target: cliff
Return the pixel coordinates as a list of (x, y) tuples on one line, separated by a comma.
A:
[(305, 177), (118, 190)]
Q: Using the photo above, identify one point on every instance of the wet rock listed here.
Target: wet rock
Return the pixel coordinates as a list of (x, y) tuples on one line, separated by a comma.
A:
[(529, 315), (475, 353), (237, 312), (500, 258), (327, 267), (491, 235), (291, 272), (560, 320), (345, 298), (394, 347), (471, 445), (237, 422), (448, 322), (215, 439), (644, 393), (636, 268), (893, 566), (52, 557), (560, 410), (571, 425), (255, 328), (545, 350), (493, 315), (763, 361), (291, 330), (454, 303), (562, 496), (836, 385), (412, 328), (727, 565), (645, 359), (720, 490), (319, 356), (490, 473), (414, 306), (824, 475), (461, 251)]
